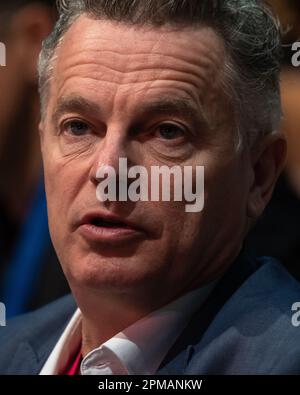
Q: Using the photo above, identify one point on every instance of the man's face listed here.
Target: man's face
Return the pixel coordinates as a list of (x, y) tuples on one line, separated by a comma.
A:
[(153, 96)]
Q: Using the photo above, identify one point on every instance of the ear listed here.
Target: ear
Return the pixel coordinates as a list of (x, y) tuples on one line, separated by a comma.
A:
[(268, 161), (30, 26)]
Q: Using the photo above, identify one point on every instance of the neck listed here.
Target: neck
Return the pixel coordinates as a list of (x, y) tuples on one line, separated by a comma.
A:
[(103, 317)]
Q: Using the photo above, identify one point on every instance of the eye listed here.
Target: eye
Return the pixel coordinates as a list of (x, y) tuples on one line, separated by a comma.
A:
[(76, 128), (169, 131)]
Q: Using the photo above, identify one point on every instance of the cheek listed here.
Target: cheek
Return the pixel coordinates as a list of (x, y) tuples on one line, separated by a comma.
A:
[(180, 228), (63, 175), (56, 204), (60, 184)]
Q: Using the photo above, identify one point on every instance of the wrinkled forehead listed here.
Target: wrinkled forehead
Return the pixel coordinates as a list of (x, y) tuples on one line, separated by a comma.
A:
[(98, 58), (132, 48)]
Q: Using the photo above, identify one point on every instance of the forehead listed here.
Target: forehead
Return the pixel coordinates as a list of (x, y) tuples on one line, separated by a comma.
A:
[(115, 56)]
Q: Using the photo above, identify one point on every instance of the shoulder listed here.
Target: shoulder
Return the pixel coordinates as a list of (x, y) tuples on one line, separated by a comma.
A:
[(254, 331), (38, 331), (48, 317)]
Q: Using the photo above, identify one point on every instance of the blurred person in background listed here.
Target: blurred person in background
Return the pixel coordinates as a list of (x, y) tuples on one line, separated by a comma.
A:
[(277, 231), (27, 258)]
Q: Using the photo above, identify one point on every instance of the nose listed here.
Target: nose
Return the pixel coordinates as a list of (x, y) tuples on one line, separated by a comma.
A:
[(113, 147)]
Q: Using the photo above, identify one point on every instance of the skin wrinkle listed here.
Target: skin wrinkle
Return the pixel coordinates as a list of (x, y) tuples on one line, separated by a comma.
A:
[(212, 59), (137, 89), (164, 107), (188, 69), (187, 64), (166, 114), (164, 159), (155, 80)]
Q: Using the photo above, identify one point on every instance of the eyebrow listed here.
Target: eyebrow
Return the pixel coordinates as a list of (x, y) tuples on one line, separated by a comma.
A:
[(182, 107), (74, 104)]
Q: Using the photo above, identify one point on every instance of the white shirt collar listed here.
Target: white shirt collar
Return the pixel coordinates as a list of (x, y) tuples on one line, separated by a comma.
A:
[(138, 349)]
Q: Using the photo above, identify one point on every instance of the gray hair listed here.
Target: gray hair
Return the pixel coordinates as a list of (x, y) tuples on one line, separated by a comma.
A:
[(250, 33)]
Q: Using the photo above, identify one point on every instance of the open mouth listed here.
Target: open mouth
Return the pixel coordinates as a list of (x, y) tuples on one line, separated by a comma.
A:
[(108, 227), (107, 223)]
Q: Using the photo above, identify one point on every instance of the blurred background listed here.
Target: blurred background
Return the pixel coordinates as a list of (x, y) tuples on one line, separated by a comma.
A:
[(277, 233), (30, 274)]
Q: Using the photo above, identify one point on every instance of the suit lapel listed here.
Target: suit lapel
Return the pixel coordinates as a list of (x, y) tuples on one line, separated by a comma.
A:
[(177, 359), (25, 360), (31, 355)]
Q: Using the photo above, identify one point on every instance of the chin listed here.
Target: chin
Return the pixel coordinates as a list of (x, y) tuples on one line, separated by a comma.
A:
[(109, 273)]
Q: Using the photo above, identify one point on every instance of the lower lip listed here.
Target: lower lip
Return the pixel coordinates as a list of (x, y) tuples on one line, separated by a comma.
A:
[(107, 234)]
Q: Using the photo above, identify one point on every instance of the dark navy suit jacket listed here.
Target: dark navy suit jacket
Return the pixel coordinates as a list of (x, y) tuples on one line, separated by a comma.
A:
[(244, 327)]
